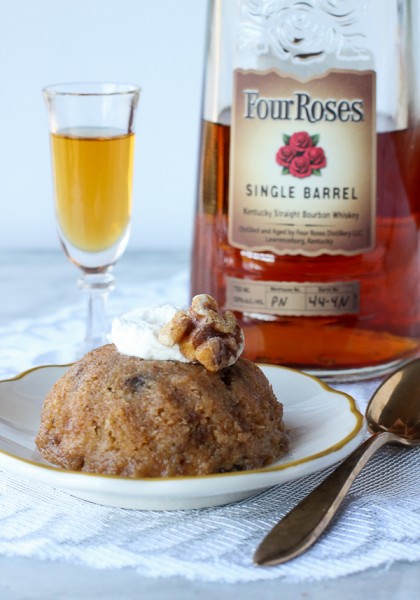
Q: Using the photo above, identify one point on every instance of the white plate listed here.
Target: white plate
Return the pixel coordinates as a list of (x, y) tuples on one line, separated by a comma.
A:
[(324, 426)]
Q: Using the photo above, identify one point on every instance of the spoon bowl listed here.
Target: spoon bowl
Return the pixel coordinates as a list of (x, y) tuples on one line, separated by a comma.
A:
[(393, 416), (395, 406)]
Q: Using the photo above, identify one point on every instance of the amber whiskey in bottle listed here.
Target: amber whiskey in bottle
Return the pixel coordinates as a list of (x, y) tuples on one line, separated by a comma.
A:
[(308, 211)]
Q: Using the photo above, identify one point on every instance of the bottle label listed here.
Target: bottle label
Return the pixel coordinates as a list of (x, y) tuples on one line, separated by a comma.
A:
[(292, 299), (303, 163)]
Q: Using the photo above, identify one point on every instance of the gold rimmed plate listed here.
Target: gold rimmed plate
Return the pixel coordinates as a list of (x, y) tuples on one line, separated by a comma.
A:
[(324, 426)]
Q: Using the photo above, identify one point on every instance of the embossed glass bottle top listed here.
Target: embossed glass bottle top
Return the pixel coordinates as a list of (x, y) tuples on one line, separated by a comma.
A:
[(307, 221)]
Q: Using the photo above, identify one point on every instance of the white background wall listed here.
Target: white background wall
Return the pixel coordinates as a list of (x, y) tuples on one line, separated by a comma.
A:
[(158, 44)]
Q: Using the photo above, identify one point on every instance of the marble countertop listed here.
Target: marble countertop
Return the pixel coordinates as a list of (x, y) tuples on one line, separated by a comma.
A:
[(34, 283)]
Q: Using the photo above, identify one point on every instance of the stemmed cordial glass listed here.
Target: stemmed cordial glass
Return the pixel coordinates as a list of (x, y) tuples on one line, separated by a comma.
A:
[(92, 145)]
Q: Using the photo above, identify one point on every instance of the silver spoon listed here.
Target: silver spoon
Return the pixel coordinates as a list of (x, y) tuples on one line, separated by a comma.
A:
[(393, 416)]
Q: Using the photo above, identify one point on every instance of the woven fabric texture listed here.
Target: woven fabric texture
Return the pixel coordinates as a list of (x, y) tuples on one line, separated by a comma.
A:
[(378, 524)]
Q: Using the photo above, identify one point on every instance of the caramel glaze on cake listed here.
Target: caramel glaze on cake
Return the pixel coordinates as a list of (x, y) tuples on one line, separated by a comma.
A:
[(121, 415)]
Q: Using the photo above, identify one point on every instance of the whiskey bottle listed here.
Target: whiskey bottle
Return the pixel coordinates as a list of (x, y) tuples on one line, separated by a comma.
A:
[(308, 209)]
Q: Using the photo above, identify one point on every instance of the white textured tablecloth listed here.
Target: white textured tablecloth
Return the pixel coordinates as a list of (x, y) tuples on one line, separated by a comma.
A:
[(378, 524)]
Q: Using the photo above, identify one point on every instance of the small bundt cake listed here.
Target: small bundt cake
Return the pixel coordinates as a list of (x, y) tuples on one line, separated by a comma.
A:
[(117, 414)]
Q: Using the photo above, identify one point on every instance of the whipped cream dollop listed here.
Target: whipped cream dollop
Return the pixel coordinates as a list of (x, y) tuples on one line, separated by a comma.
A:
[(136, 333)]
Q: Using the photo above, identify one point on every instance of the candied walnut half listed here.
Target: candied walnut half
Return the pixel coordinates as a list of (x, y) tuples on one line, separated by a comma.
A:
[(204, 335)]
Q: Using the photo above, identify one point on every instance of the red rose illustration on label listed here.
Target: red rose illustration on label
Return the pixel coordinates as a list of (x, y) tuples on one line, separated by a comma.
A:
[(300, 167), (285, 155), (300, 156), (300, 141)]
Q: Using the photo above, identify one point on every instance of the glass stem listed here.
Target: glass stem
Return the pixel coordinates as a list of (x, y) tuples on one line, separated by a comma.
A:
[(97, 286)]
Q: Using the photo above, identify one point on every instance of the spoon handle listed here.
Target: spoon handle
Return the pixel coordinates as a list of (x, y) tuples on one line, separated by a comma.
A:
[(304, 524)]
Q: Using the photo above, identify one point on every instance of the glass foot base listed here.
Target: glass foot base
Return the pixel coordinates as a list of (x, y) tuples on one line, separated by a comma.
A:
[(69, 354)]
